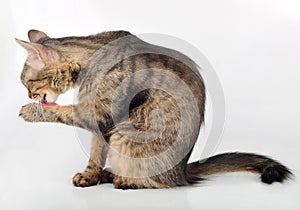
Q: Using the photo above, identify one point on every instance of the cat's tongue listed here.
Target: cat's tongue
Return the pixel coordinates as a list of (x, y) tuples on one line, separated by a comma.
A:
[(44, 103)]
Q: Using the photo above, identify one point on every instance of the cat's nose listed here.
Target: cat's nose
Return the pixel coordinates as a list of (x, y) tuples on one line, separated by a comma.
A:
[(29, 94), (44, 97)]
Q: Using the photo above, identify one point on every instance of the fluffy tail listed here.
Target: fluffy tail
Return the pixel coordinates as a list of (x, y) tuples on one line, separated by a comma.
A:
[(269, 169)]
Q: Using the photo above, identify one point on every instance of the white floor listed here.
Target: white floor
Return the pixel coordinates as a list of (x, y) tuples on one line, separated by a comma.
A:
[(38, 162), (254, 47)]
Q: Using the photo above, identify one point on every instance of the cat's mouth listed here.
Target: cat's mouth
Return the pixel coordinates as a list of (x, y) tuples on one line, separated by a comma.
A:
[(45, 103), (48, 99)]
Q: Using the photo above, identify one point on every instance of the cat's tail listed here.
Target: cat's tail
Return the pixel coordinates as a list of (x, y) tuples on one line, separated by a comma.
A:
[(269, 169)]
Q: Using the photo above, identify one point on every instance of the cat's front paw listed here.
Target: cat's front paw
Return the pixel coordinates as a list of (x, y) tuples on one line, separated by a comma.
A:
[(86, 179), (32, 112)]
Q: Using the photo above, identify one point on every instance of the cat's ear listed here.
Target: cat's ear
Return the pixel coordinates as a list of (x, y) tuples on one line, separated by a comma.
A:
[(35, 35), (34, 58), (39, 54)]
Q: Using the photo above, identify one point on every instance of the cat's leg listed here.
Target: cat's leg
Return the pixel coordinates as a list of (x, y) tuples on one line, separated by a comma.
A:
[(143, 157), (93, 172), (128, 170), (35, 112), (68, 115), (134, 174)]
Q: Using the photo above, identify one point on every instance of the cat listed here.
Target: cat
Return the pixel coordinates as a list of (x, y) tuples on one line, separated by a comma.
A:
[(122, 121)]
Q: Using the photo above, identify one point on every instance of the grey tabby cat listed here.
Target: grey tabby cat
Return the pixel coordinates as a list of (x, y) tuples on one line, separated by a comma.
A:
[(143, 103)]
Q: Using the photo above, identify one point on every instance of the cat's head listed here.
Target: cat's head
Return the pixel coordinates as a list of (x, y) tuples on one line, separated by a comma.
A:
[(46, 73)]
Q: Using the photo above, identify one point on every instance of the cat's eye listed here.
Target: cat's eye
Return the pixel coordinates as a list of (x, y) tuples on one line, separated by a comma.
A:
[(34, 95)]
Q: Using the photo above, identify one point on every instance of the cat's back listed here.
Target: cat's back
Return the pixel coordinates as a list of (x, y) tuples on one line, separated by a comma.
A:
[(127, 55), (127, 65)]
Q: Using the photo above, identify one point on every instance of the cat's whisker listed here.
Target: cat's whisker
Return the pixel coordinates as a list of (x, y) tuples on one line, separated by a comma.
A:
[(42, 113), (36, 112)]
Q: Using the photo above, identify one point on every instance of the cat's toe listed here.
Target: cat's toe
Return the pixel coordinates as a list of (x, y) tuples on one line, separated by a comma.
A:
[(25, 114), (107, 176), (127, 187), (85, 179), (31, 112), (120, 183)]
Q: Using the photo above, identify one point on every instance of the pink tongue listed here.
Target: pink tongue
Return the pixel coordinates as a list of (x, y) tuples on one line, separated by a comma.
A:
[(44, 103)]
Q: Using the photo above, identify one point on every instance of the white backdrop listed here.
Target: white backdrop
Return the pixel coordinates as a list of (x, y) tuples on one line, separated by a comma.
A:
[(254, 48)]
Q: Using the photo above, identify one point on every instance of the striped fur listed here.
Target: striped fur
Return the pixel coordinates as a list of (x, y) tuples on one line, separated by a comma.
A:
[(64, 63)]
